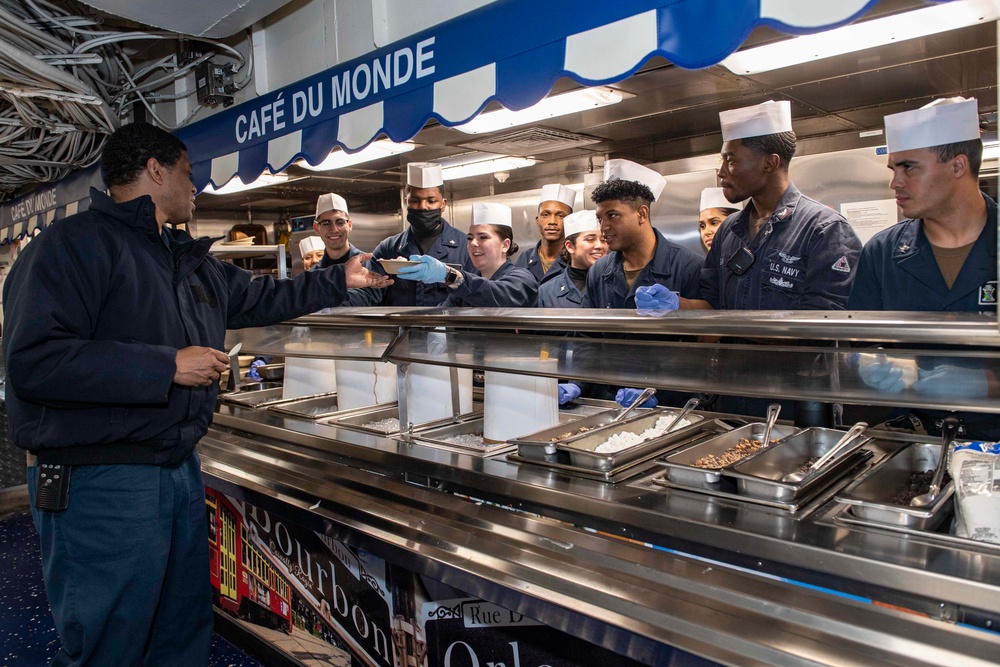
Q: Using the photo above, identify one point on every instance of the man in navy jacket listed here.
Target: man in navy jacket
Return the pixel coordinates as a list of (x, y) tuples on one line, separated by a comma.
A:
[(115, 324), (943, 257)]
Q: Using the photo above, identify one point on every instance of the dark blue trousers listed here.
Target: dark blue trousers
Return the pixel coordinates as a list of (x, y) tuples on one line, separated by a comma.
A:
[(126, 566)]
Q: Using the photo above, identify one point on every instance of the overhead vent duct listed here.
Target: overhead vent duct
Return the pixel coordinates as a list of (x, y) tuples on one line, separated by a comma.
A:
[(217, 19), (531, 141)]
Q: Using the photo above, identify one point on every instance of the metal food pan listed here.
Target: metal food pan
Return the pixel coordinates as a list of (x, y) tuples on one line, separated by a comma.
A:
[(360, 420), (254, 397), (760, 475), (550, 437), (271, 371), (582, 451), (439, 436), (870, 497), (680, 464), (313, 407)]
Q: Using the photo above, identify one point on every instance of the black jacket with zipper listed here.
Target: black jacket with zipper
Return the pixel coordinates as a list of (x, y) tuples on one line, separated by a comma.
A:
[(96, 308)]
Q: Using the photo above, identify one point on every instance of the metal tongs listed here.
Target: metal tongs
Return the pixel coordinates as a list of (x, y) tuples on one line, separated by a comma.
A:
[(848, 438), (643, 397), (949, 429)]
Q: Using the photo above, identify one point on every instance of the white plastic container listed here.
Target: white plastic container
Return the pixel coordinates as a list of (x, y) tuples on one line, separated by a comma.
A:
[(428, 392), (363, 383), (517, 405), (305, 376)]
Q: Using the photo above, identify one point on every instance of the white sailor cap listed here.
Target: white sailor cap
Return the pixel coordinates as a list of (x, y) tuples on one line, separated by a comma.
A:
[(559, 193), (713, 198), (757, 121), (331, 202), (944, 121), (491, 214), (424, 175), (310, 243), (627, 170), (581, 221)]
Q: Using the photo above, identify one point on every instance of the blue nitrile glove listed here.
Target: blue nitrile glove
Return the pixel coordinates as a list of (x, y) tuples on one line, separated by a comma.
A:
[(626, 395), (253, 374), (429, 271), (952, 382), (568, 392), (655, 300), (887, 375)]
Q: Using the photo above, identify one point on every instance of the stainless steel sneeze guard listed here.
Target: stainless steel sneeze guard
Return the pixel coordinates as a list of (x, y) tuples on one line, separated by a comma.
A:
[(816, 372), (723, 595)]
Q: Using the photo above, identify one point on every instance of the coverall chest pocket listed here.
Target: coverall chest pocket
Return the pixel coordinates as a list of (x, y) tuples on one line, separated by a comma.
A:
[(782, 280)]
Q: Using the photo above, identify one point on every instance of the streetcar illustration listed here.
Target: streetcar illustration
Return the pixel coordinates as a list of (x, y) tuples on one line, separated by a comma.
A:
[(245, 583)]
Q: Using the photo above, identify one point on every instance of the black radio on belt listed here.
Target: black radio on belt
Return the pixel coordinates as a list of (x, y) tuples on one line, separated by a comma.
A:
[(52, 493), (741, 260)]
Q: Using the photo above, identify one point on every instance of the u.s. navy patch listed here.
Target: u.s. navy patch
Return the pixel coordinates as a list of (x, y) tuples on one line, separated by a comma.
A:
[(988, 294)]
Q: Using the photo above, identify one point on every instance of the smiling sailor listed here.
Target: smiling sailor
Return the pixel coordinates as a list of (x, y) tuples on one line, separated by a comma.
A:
[(495, 282), (545, 259)]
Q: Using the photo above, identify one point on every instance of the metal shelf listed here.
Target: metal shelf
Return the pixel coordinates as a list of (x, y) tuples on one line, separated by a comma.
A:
[(223, 251)]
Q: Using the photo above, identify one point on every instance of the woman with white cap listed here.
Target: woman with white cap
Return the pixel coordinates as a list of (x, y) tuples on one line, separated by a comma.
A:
[(311, 248), (714, 209), (495, 282), (582, 248)]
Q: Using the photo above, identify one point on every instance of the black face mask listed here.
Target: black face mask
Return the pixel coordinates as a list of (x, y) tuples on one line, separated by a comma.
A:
[(423, 223)]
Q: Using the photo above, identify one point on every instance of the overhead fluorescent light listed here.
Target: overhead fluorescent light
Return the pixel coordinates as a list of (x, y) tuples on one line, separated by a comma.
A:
[(487, 166), (991, 151), (550, 107), (235, 184), (374, 151), (869, 34)]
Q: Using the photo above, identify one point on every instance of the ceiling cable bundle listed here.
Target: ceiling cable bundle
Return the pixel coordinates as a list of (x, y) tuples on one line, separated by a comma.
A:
[(67, 80)]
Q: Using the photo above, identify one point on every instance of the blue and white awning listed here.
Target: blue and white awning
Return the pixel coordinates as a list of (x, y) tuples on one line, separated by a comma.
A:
[(512, 51), (53, 201)]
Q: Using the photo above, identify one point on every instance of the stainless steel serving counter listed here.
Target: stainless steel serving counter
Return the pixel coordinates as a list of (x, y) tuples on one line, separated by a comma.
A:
[(628, 564)]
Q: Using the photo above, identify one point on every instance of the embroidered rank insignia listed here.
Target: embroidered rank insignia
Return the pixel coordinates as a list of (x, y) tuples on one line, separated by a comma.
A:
[(904, 247), (842, 265), (988, 294)]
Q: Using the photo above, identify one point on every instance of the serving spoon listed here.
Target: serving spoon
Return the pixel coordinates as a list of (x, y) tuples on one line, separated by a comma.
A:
[(773, 411), (949, 429), (688, 407), (798, 476)]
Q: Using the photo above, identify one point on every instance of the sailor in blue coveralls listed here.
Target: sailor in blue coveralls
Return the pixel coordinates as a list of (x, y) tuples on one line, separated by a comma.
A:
[(428, 234), (333, 225), (713, 210), (642, 269), (584, 245), (784, 251), (545, 259), (494, 282), (943, 258)]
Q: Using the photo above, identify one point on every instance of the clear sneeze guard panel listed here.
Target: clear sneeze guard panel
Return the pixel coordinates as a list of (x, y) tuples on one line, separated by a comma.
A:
[(943, 379)]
